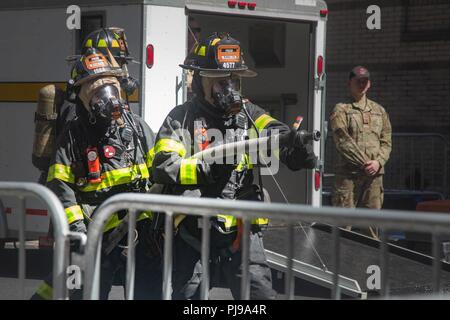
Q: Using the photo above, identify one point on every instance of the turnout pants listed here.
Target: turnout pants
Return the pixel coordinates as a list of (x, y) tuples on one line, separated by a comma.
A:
[(148, 274), (225, 270)]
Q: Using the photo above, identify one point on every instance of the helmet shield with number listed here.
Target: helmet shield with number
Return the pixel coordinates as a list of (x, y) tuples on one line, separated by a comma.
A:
[(218, 56)]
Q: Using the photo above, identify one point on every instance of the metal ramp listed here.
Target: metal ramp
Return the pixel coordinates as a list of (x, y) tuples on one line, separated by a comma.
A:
[(410, 272), (313, 275)]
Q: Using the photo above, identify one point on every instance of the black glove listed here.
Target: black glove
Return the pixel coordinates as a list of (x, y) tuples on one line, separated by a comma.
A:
[(290, 139), (233, 185), (310, 159), (298, 139), (78, 226)]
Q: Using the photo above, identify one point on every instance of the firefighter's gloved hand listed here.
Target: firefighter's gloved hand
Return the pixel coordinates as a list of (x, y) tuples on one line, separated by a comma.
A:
[(78, 226), (298, 139), (232, 187), (291, 139), (310, 159), (229, 192)]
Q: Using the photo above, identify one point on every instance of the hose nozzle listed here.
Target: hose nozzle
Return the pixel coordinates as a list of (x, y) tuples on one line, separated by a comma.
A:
[(306, 137)]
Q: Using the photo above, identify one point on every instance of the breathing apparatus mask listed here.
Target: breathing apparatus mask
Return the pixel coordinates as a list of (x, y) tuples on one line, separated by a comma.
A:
[(103, 101), (227, 96), (223, 94)]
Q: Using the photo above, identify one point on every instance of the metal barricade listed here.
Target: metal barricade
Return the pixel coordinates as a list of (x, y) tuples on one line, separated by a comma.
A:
[(386, 220), (21, 190), (418, 161)]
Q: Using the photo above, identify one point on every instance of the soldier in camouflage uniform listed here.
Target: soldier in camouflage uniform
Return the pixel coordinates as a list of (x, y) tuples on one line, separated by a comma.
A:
[(362, 134)]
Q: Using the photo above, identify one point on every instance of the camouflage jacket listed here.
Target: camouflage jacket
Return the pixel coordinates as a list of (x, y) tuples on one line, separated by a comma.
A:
[(361, 132)]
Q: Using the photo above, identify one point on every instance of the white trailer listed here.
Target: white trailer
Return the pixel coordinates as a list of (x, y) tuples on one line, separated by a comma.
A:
[(284, 41)]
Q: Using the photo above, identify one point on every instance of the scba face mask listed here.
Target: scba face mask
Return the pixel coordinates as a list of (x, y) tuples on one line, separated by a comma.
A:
[(106, 104), (226, 95)]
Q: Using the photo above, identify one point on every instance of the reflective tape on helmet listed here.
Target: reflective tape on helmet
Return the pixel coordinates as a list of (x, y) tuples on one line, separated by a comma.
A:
[(170, 145), (115, 44), (74, 213), (45, 291), (102, 43), (201, 51), (188, 171), (88, 43), (213, 43), (117, 177), (263, 121), (61, 172)]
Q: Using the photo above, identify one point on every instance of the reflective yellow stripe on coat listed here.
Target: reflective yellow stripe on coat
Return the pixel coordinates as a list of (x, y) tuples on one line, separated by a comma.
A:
[(114, 221), (263, 121), (45, 291), (117, 177), (74, 213), (61, 172), (170, 145), (150, 156), (188, 171), (230, 222)]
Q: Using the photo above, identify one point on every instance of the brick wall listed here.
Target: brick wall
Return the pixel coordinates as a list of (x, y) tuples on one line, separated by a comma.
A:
[(411, 76), (409, 59)]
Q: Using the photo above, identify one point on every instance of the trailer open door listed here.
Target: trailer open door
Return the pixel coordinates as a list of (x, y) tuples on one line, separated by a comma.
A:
[(319, 118), (284, 42), (164, 46)]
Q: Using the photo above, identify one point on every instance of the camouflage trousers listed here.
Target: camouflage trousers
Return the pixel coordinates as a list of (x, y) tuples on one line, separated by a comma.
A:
[(359, 191)]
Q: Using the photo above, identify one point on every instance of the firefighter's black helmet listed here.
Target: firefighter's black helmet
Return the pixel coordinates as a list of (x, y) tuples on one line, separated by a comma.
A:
[(110, 39), (93, 64), (216, 56)]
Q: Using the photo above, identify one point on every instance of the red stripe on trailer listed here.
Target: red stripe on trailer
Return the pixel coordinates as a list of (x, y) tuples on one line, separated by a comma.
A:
[(36, 212), (31, 212)]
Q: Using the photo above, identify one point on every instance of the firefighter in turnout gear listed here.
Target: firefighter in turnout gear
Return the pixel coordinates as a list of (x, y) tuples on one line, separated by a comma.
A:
[(56, 106), (103, 151), (218, 68)]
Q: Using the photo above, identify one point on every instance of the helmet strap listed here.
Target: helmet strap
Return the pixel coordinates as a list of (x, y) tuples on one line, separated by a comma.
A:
[(113, 60)]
